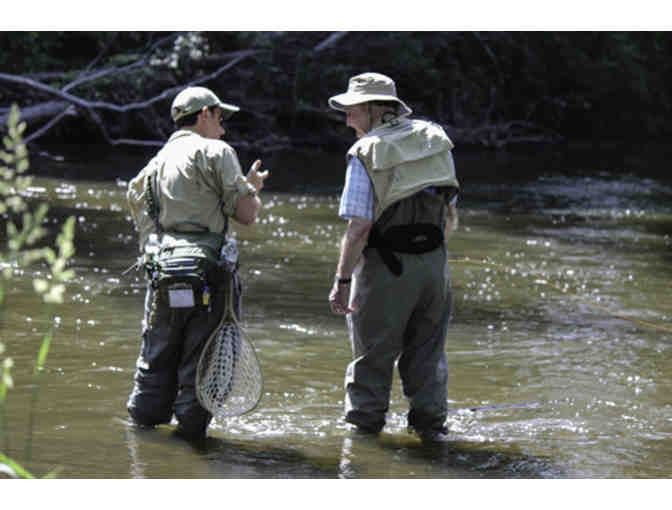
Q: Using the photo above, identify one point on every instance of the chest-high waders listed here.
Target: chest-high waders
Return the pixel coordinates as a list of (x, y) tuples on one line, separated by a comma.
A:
[(188, 287), (402, 294)]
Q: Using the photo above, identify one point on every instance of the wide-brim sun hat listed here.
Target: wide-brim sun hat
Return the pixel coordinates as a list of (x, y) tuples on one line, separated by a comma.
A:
[(194, 99), (369, 87)]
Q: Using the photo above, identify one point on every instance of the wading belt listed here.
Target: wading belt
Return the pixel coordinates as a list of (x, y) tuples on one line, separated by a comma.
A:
[(416, 238)]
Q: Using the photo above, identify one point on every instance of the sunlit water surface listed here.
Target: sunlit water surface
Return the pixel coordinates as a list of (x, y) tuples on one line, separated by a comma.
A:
[(562, 332)]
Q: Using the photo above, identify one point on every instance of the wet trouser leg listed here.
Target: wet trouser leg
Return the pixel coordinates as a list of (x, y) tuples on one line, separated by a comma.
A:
[(423, 365), (398, 316), (155, 381), (173, 339)]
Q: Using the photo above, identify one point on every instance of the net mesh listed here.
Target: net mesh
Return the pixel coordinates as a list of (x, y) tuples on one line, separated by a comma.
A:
[(229, 381)]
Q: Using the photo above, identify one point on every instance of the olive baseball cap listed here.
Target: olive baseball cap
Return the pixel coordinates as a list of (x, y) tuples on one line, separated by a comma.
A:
[(194, 99)]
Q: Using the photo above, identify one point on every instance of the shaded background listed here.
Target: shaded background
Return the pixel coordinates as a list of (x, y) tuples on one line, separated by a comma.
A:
[(495, 90)]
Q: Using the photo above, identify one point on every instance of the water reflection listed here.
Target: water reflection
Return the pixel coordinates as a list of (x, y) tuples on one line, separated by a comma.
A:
[(217, 457), (373, 457)]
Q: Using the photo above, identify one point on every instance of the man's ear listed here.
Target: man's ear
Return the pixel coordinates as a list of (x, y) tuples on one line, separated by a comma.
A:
[(201, 117)]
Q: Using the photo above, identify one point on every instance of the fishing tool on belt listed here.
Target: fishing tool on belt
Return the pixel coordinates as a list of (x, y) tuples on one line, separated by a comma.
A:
[(229, 380)]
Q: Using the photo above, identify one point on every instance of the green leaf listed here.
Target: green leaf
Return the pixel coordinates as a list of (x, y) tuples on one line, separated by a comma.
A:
[(16, 203), (23, 182), (14, 115), (22, 166), (41, 286), (42, 354), (9, 174), (49, 255), (67, 275), (15, 467), (11, 230), (55, 294), (6, 380)]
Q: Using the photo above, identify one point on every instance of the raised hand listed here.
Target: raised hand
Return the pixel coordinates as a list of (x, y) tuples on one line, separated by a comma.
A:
[(255, 177)]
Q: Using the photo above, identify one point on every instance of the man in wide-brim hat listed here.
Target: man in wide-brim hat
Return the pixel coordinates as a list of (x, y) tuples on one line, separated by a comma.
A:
[(392, 279)]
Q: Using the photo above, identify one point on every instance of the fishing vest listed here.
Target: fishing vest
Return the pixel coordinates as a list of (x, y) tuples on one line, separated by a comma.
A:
[(403, 158)]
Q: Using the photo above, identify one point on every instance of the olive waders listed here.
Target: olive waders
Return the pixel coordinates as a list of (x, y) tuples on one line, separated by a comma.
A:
[(401, 288), (399, 318)]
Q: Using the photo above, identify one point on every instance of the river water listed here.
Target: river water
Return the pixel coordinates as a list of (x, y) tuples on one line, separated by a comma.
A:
[(562, 330)]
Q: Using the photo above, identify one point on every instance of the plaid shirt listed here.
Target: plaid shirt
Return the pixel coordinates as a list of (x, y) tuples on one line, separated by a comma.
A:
[(357, 197)]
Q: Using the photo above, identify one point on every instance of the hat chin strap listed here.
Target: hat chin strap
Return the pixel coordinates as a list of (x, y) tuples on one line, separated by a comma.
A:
[(389, 117), (384, 118)]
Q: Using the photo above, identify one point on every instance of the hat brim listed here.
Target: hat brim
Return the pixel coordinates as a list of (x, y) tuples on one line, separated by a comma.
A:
[(340, 101)]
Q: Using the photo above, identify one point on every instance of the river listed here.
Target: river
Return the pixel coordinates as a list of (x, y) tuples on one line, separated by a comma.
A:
[(562, 330)]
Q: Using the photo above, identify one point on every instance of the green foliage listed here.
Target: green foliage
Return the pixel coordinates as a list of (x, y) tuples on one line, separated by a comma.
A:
[(12, 468), (30, 52), (21, 252), (578, 84), (23, 237)]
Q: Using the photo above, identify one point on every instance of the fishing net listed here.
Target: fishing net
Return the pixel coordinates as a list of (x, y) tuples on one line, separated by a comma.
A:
[(229, 381)]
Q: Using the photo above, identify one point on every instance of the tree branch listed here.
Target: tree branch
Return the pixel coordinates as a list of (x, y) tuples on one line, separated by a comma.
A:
[(62, 108), (329, 41), (67, 110)]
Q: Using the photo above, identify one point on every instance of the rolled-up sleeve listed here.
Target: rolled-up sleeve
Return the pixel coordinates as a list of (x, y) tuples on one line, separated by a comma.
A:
[(233, 183)]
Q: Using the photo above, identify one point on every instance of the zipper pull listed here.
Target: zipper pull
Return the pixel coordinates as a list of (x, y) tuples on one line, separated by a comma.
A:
[(206, 298)]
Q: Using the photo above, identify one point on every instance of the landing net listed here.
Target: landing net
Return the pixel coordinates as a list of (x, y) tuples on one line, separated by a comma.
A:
[(229, 381)]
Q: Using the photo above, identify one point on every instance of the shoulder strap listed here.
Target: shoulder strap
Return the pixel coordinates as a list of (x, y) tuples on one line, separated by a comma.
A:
[(151, 200)]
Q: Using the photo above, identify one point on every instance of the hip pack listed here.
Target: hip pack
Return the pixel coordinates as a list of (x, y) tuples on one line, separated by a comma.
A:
[(415, 238), (186, 270)]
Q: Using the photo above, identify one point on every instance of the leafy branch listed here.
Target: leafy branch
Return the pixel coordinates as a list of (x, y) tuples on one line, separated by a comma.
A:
[(21, 251)]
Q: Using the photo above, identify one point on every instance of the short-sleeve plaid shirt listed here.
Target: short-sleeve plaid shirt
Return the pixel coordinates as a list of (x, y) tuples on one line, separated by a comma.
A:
[(357, 197)]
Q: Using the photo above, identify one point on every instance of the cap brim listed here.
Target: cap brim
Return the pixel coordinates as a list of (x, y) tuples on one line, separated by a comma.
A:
[(228, 110)]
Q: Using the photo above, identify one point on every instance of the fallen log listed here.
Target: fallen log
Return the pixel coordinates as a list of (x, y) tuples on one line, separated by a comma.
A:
[(39, 112)]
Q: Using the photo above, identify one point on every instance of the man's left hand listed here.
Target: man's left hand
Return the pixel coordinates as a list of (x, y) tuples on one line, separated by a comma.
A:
[(339, 298)]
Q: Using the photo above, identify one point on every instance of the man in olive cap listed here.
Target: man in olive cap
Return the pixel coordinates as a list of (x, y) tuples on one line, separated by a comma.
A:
[(181, 203), (392, 279)]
